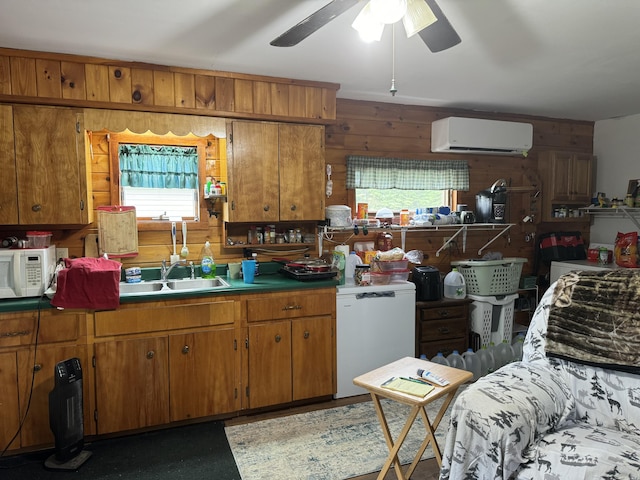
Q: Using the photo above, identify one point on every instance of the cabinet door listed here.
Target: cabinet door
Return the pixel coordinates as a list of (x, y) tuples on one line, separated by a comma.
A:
[(132, 384), (51, 166), (202, 374), (269, 364), (312, 357), (9, 409), (9, 191), (581, 189), (561, 181), (36, 430), (252, 169), (302, 172)]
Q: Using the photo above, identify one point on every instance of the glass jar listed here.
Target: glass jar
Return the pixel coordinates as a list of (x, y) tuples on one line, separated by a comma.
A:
[(361, 275)]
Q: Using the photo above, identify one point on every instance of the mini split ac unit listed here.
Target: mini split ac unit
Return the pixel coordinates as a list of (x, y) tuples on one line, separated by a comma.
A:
[(476, 135)]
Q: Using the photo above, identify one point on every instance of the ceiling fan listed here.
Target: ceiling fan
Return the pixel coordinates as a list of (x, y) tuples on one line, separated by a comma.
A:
[(423, 17)]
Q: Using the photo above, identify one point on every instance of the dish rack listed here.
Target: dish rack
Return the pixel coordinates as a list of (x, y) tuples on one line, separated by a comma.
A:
[(491, 277)]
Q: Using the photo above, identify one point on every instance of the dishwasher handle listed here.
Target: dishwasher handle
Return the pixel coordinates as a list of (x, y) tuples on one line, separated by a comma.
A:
[(386, 294)]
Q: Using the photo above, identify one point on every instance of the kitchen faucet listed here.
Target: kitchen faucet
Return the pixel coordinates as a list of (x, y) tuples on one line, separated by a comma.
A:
[(164, 271)]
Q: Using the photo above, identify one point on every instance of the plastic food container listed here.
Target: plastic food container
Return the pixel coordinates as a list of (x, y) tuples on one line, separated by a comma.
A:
[(379, 278), (39, 239), (393, 265), (399, 276)]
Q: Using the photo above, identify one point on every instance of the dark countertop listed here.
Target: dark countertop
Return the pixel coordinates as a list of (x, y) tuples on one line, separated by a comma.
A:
[(271, 281)]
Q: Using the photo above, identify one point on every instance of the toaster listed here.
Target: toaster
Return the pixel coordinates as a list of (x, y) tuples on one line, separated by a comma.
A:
[(428, 283)]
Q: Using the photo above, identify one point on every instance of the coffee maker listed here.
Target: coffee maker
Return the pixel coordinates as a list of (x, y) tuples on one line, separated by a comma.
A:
[(491, 204)]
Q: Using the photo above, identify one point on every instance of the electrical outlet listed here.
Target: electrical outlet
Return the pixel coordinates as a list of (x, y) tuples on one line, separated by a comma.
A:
[(445, 240), (62, 252)]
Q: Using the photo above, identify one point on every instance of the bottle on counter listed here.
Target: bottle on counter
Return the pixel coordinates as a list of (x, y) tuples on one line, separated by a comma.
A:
[(454, 285), (207, 264)]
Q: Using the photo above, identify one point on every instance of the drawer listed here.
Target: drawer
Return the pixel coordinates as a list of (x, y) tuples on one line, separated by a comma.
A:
[(54, 327), (430, 349), (443, 312), (160, 319), (290, 306), (442, 329)]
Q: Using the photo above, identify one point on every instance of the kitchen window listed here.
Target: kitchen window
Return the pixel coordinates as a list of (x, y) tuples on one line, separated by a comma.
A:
[(161, 175), (405, 183)]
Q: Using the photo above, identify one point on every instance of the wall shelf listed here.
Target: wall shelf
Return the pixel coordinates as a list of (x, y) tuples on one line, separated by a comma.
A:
[(211, 200), (325, 232), (629, 213)]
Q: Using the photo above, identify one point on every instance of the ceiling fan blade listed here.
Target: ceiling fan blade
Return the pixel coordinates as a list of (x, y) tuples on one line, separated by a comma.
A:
[(313, 22), (439, 35)]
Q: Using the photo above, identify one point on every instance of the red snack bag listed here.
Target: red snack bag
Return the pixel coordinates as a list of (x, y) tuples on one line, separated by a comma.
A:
[(626, 249)]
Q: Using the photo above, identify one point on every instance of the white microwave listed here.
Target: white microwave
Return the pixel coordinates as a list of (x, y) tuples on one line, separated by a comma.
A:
[(26, 272)]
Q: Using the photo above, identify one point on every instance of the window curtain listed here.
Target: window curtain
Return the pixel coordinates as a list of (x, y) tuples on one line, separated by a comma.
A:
[(406, 174), (158, 166)]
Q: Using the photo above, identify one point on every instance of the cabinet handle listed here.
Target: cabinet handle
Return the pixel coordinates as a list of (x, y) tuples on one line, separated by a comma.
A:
[(37, 367), (185, 349), (150, 354), (266, 208), (306, 334), (37, 207), (278, 338), (292, 307), (293, 208), (443, 330), (443, 313), (20, 333)]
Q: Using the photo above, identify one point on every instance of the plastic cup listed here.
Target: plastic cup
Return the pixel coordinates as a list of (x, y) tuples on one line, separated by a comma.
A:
[(234, 270), (248, 270)]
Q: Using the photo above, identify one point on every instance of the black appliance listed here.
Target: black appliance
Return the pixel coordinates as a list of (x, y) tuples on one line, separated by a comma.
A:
[(491, 204), (66, 417), (428, 283)]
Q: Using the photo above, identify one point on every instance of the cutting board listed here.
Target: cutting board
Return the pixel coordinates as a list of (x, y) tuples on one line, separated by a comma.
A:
[(117, 231)]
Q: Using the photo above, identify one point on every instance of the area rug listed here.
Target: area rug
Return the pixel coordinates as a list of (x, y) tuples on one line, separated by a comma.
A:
[(332, 444)]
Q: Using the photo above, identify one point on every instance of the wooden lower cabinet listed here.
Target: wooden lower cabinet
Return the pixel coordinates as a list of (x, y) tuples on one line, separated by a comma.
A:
[(291, 347), (9, 400), (160, 376), (27, 372), (202, 379), (132, 384)]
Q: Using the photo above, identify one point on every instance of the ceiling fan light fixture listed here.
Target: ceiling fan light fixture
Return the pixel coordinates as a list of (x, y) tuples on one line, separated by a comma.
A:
[(388, 11), (419, 16), (367, 25)]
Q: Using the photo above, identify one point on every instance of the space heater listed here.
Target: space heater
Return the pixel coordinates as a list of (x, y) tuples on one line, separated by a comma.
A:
[(66, 417)]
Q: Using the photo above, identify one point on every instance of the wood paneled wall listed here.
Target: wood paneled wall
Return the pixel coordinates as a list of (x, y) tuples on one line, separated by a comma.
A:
[(404, 131), (59, 79)]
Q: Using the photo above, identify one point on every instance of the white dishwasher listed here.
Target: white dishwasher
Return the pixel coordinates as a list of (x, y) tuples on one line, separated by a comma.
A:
[(375, 326)]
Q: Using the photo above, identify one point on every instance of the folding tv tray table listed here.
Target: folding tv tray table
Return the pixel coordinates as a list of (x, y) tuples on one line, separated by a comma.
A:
[(407, 367)]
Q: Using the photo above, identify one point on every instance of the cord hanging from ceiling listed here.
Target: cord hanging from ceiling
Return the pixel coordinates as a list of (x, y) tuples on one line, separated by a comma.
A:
[(393, 90)]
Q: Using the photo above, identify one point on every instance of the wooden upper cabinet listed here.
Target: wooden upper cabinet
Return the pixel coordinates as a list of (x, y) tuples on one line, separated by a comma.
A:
[(252, 171), (301, 155), (276, 172), (52, 166), (567, 182), (9, 191)]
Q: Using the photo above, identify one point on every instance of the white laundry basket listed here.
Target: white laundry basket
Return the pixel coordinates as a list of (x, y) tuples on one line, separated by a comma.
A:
[(492, 317)]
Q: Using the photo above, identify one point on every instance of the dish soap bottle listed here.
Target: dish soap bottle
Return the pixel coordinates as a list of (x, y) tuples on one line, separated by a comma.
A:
[(207, 264)]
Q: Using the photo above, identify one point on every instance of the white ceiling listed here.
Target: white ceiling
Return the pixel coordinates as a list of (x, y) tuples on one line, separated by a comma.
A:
[(577, 59)]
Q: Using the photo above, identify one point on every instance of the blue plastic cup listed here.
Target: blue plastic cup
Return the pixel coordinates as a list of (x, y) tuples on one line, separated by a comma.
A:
[(248, 270)]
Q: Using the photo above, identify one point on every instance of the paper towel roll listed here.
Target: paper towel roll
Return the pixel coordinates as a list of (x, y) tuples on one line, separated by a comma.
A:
[(344, 249)]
